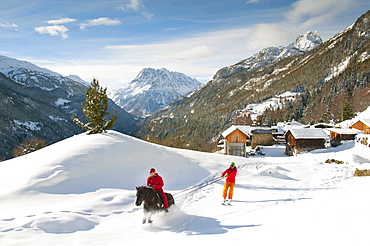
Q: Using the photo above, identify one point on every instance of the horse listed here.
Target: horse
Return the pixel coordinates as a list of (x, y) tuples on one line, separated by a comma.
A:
[(152, 201)]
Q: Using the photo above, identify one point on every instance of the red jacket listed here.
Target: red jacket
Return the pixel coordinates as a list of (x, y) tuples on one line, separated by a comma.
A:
[(230, 174), (156, 182)]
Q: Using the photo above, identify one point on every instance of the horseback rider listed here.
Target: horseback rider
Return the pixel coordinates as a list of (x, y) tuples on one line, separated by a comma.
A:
[(156, 182), (229, 185)]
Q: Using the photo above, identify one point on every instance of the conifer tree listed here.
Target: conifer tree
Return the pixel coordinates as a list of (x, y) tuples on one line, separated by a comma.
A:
[(95, 109), (347, 111)]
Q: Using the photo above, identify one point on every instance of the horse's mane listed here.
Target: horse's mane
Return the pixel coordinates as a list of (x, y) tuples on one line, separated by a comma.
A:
[(144, 187)]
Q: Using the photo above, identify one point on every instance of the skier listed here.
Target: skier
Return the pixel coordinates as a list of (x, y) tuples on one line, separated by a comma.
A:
[(229, 185), (156, 182)]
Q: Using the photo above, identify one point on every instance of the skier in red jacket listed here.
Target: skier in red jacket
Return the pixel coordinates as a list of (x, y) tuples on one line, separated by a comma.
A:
[(156, 182), (229, 185)]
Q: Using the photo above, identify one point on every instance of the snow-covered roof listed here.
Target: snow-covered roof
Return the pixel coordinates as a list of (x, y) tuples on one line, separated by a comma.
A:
[(344, 131), (363, 116), (323, 124), (291, 125), (366, 121), (231, 129), (308, 133)]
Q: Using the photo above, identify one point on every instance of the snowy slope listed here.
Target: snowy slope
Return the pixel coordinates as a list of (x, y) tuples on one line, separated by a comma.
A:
[(81, 191), (151, 90), (26, 73), (8, 65)]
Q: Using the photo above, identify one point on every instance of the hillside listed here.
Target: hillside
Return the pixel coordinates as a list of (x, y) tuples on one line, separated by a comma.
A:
[(326, 77), (81, 191), (38, 103)]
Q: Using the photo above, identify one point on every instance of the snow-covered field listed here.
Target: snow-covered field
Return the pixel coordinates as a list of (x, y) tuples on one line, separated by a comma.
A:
[(81, 191)]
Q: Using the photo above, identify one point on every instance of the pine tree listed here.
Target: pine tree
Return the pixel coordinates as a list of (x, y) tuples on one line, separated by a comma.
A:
[(95, 109), (347, 111)]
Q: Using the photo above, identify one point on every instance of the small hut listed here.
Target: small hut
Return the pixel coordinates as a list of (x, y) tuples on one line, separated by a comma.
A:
[(305, 139)]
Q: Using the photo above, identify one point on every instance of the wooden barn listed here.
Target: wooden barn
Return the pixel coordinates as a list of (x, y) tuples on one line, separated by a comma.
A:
[(362, 125), (236, 140), (343, 134), (304, 139)]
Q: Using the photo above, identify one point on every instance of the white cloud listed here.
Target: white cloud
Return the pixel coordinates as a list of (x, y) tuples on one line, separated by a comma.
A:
[(138, 6), (8, 25), (267, 35), (316, 11), (192, 53), (56, 30), (253, 1), (148, 15), (100, 21), (60, 21), (135, 5), (132, 5), (303, 16)]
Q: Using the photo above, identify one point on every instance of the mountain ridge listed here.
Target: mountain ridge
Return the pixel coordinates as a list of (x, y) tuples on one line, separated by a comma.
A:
[(151, 90)]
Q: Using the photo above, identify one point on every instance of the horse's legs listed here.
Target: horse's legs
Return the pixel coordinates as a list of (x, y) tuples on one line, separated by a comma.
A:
[(147, 217), (144, 219), (150, 217), (146, 212)]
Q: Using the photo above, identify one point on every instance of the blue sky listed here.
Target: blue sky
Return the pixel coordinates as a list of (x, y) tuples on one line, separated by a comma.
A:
[(112, 40)]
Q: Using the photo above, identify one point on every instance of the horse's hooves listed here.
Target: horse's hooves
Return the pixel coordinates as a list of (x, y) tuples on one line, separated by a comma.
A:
[(144, 221), (150, 221)]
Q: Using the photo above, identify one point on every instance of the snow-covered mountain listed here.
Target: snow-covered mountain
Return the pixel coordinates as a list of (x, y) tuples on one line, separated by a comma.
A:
[(36, 102), (151, 90), (303, 43)]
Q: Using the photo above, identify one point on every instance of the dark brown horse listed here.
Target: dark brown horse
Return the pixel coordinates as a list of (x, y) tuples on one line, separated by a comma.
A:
[(152, 201)]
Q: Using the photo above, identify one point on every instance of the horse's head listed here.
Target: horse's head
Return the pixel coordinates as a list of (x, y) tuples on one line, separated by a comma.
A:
[(139, 195)]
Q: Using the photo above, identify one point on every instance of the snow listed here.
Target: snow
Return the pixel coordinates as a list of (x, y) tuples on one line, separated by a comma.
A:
[(8, 65), (256, 109), (33, 126), (81, 191), (309, 133), (339, 69), (151, 90), (61, 102)]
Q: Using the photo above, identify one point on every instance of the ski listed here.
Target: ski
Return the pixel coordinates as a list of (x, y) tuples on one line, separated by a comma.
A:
[(226, 203)]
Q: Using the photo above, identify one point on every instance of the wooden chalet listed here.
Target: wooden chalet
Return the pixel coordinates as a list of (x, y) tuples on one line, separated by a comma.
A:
[(238, 137), (236, 140), (304, 139), (362, 125)]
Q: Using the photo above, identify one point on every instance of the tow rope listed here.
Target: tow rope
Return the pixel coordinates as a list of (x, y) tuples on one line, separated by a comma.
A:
[(194, 188)]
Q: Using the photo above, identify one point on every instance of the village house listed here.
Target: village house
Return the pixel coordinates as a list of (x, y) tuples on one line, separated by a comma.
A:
[(238, 138), (362, 125), (304, 139)]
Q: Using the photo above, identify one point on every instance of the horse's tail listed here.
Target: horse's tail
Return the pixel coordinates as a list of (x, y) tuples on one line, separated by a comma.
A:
[(170, 199)]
